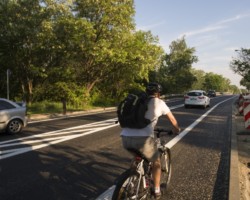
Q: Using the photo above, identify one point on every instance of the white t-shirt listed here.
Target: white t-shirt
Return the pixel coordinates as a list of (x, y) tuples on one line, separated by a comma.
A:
[(156, 108)]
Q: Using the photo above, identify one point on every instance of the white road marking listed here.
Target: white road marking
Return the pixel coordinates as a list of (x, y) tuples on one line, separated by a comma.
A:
[(64, 131), (177, 106), (172, 142), (40, 141)]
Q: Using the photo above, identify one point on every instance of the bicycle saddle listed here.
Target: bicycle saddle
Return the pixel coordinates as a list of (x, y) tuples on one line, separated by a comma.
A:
[(136, 152)]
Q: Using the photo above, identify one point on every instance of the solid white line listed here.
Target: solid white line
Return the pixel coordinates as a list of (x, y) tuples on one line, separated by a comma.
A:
[(177, 106), (106, 194), (176, 139)]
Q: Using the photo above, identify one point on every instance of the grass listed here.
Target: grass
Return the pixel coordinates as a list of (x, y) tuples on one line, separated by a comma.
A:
[(54, 107)]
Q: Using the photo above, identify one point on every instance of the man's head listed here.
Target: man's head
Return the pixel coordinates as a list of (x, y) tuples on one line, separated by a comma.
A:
[(153, 88)]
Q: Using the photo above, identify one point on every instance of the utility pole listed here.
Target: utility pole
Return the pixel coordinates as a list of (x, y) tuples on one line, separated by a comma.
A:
[(8, 92)]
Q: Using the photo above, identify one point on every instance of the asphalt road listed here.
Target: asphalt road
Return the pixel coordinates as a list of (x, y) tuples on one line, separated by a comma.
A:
[(80, 157)]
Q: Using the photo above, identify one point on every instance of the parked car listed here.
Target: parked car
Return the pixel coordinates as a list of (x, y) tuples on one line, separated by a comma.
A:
[(12, 116), (196, 98), (211, 93)]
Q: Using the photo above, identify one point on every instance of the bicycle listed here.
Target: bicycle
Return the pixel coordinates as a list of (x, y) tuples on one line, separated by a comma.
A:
[(136, 183)]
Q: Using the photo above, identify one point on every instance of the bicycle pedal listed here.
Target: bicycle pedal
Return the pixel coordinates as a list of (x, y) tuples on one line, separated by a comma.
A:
[(163, 187)]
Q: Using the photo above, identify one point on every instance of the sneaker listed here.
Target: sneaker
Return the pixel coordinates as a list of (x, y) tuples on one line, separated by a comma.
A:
[(157, 196)]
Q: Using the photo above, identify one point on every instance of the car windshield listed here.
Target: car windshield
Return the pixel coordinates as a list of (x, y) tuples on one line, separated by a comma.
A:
[(194, 94)]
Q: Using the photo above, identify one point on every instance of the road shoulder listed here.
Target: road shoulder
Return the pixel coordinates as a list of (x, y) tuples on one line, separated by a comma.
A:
[(240, 159)]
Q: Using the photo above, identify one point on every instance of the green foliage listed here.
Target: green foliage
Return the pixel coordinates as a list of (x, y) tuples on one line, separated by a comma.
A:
[(241, 66), (44, 107), (213, 82), (85, 52), (233, 89), (200, 79), (48, 107), (175, 71)]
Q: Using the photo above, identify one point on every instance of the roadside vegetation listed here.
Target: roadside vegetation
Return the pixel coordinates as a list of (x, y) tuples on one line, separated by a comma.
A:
[(84, 54), (52, 107)]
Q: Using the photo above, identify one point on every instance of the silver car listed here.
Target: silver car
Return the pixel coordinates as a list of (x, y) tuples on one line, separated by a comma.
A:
[(196, 98), (12, 116)]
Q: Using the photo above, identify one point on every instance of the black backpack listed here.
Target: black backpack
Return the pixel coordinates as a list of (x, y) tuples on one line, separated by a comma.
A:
[(131, 111)]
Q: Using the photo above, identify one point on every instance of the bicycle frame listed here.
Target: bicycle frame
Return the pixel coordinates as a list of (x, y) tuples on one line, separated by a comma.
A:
[(136, 183), (139, 162), (141, 172)]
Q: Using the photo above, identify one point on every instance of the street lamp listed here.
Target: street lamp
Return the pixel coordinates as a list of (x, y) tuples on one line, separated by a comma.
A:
[(8, 92)]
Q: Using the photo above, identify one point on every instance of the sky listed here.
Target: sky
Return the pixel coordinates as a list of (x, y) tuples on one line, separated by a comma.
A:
[(215, 28)]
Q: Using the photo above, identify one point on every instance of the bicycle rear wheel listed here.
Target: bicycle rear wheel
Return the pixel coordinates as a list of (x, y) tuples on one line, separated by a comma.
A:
[(166, 169), (127, 185)]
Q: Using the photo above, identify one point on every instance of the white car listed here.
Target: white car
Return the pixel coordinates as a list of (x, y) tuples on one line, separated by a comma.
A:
[(196, 98), (12, 116)]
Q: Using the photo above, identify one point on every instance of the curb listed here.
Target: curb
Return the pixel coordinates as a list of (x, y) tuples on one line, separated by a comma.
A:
[(234, 189), (36, 117)]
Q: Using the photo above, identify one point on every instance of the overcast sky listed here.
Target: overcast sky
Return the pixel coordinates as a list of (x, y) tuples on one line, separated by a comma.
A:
[(216, 28)]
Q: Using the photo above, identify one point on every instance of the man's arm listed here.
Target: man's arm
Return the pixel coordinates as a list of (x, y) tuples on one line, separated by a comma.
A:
[(173, 121)]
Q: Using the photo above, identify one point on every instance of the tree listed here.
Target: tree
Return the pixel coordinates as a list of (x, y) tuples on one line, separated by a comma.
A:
[(241, 66), (48, 44), (17, 39), (245, 82), (200, 78), (111, 23), (117, 57), (216, 82), (142, 56), (26, 38), (234, 89), (175, 72)]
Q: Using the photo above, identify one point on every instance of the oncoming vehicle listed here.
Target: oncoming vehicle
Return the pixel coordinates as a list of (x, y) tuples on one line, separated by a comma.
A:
[(12, 116), (136, 182), (211, 93), (196, 98)]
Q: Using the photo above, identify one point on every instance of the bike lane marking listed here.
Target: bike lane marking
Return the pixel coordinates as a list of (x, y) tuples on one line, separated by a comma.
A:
[(107, 195), (35, 142)]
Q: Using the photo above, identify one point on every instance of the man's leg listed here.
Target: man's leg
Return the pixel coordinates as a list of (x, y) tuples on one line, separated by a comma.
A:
[(157, 174)]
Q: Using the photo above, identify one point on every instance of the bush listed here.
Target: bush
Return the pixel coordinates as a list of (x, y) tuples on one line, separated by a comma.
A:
[(44, 107)]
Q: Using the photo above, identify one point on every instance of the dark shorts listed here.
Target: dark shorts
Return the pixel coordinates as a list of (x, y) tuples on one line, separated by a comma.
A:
[(146, 145)]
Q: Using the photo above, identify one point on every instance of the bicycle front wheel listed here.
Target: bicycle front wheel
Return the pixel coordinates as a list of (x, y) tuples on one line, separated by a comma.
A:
[(166, 169), (126, 187)]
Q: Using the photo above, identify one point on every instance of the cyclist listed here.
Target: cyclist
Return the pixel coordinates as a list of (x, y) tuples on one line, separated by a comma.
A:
[(143, 139)]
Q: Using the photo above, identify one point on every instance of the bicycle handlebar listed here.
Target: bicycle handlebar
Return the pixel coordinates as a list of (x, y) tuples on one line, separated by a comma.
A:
[(161, 130)]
